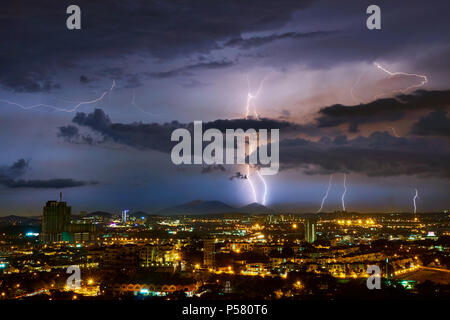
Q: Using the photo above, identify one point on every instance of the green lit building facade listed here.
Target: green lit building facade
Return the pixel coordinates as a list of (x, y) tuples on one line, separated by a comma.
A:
[(55, 219), (57, 225)]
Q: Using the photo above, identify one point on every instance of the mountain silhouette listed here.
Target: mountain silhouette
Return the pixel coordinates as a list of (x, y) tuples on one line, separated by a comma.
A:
[(199, 207)]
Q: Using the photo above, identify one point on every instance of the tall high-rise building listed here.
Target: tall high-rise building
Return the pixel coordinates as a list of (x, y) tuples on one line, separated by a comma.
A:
[(57, 224), (310, 230), (56, 216), (209, 251), (125, 216)]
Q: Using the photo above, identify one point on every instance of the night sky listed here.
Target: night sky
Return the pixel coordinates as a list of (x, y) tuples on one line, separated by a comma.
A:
[(147, 67)]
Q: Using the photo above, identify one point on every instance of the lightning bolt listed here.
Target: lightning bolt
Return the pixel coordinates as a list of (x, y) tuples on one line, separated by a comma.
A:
[(250, 182), (112, 86), (380, 67), (251, 96), (423, 77), (414, 200), (394, 132), (326, 194), (252, 187), (422, 83), (73, 109), (265, 187), (133, 103), (352, 89), (345, 191)]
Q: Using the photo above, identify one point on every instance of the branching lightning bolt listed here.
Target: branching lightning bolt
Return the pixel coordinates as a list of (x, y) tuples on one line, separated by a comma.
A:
[(73, 109), (345, 191), (422, 83), (250, 182), (326, 194), (252, 187), (251, 96), (416, 195)]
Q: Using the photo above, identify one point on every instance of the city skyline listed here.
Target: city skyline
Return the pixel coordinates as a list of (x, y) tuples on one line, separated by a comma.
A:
[(89, 112), (232, 256)]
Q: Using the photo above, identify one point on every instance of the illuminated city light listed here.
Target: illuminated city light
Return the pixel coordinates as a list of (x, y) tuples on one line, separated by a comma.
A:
[(32, 234)]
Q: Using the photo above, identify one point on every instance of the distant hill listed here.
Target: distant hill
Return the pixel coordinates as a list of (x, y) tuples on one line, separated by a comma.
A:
[(17, 220), (199, 207), (254, 208), (100, 214)]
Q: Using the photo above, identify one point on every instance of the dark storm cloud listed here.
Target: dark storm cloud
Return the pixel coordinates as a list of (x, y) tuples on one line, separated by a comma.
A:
[(156, 136), (285, 114), (380, 154), (84, 79), (286, 128), (192, 83), (213, 168), (28, 82), (390, 109), (253, 42), (340, 140), (238, 176), (407, 27), (46, 184), (72, 133), (436, 123), (39, 42), (152, 136), (193, 67), (9, 177), (17, 169), (68, 132)]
